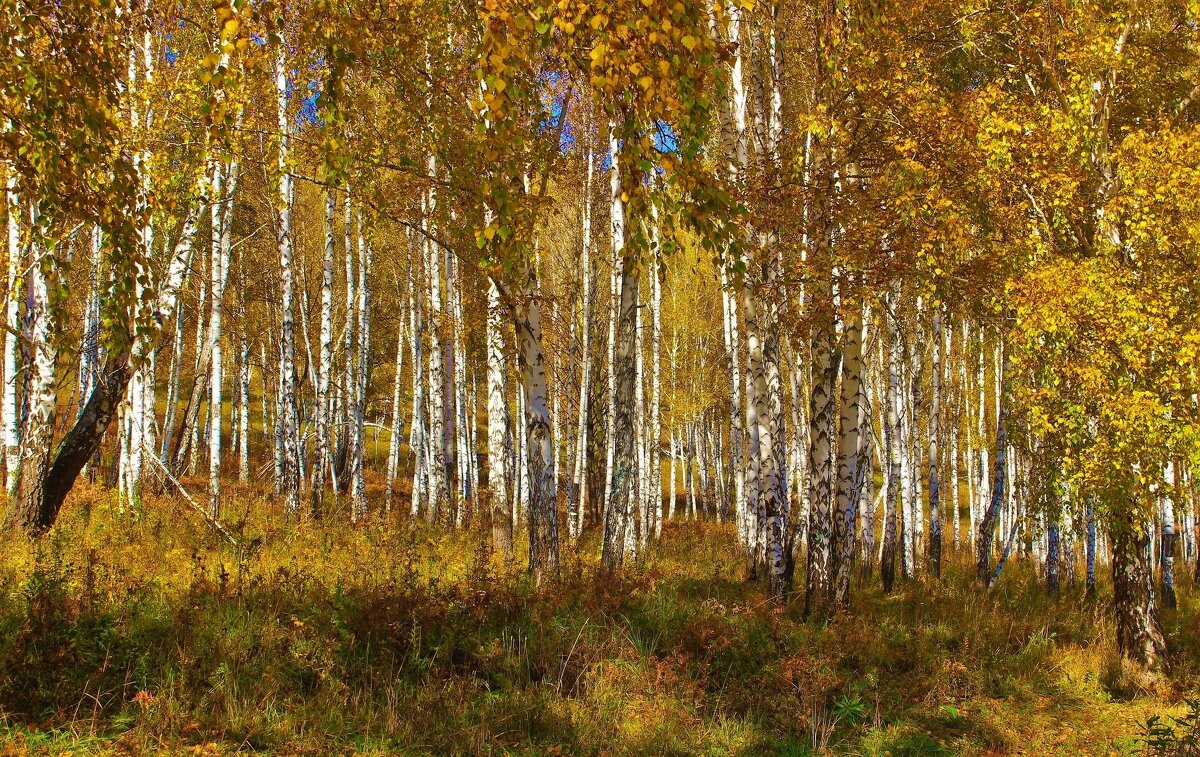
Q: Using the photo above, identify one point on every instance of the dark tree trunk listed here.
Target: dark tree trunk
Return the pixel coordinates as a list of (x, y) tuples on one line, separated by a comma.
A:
[(1052, 557), (595, 468), (1090, 558), (1139, 635), (82, 441), (619, 516)]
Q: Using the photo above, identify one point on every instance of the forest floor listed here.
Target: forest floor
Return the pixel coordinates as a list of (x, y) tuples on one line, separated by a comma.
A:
[(142, 632)]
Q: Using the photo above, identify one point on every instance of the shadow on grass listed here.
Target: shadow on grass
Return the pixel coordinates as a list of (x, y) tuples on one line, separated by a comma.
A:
[(138, 631)]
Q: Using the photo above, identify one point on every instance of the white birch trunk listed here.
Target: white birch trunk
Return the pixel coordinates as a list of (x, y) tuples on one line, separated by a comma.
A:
[(217, 264), (397, 428), (499, 440), (736, 430), (417, 427), (539, 459), (1167, 544), (981, 488), (243, 404), (35, 450), (905, 433), (11, 417), (358, 488), (577, 500), (849, 459), (344, 418), (199, 367), (614, 300), (289, 416), (819, 592), (670, 513), (461, 402), (635, 537), (439, 480), (894, 441), (622, 325), (321, 456), (520, 496), (656, 396), (935, 409)]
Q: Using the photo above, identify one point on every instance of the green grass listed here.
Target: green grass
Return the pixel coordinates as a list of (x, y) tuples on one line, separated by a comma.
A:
[(136, 632)]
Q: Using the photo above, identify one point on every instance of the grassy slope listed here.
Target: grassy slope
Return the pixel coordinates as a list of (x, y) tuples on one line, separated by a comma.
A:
[(123, 633)]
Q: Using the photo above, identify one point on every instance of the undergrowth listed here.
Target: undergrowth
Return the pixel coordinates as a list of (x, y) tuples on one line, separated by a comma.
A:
[(141, 631)]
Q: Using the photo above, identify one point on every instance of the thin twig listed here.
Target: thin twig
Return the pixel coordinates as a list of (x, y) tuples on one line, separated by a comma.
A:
[(207, 516)]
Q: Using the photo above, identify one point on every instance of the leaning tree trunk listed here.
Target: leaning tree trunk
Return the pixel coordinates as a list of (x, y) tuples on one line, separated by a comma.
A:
[(86, 434), (1139, 635)]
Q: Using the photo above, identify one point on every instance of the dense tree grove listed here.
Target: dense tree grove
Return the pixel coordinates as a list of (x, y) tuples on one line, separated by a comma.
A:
[(874, 282)]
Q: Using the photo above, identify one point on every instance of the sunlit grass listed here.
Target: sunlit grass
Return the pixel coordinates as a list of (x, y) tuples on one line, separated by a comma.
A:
[(142, 630)]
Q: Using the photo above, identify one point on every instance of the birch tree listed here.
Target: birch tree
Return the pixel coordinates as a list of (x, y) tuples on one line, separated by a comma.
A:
[(575, 514), (9, 415), (499, 439), (321, 456), (289, 415)]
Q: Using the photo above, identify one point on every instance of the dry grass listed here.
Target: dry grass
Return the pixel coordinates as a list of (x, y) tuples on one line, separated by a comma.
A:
[(137, 632)]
